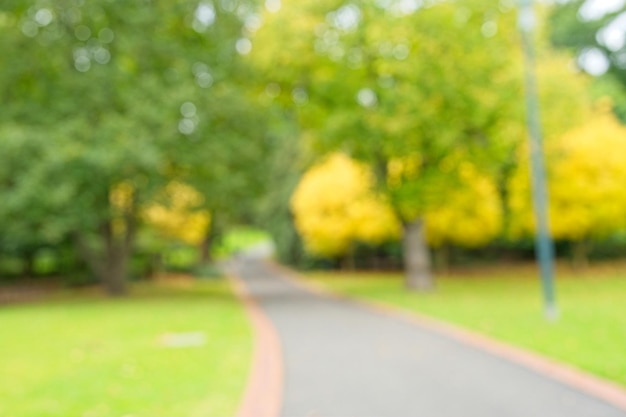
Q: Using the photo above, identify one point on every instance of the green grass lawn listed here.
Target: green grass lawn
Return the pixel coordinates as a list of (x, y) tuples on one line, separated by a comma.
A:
[(172, 349), (590, 333)]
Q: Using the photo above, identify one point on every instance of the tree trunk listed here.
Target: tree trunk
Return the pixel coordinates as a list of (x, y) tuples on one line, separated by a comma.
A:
[(110, 262), (116, 270), (108, 256), (205, 248), (418, 275)]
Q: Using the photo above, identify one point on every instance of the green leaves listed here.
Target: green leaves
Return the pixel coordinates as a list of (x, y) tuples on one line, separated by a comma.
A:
[(103, 93), (381, 82)]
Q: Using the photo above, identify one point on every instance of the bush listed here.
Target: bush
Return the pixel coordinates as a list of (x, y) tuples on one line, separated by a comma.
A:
[(208, 270)]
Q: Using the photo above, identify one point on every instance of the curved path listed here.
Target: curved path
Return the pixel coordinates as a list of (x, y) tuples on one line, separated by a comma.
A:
[(341, 359)]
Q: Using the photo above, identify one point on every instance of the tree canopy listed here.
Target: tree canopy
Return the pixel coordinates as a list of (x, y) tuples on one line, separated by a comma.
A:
[(127, 116), (335, 205), (586, 183), (595, 36), (133, 93), (397, 86)]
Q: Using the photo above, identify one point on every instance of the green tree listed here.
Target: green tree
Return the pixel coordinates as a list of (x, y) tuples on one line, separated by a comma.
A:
[(284, 168), (595, 35), (228, 158), (115, 93), (24, 231), (396, 83)]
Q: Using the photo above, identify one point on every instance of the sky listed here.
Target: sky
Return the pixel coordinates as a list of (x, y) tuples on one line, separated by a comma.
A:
[(593, 9), (613, 36)]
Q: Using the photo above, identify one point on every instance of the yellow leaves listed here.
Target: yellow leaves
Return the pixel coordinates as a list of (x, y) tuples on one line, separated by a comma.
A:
[(176, 215), (183, 195), (121, 202), (587, 178), (121, 196), (400, 169), (471, 215), (589, 184), (180, 218), (334, 206)]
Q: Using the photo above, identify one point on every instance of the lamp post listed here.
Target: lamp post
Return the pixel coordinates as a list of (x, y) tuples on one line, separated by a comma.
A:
[(544, 247)]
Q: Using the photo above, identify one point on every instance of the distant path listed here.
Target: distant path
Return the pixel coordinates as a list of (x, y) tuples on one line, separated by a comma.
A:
[(342, 360)]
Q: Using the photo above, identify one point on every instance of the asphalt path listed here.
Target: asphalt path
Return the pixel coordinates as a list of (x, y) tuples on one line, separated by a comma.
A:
[(341, 359)]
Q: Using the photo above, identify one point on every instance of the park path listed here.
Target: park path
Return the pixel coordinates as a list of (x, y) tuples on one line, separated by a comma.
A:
[(340, 359)]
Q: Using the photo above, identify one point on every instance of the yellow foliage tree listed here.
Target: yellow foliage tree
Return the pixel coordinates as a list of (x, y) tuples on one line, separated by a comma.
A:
[(464, 208), (586, 181), (179, 215), (472, 213), (334, 206)]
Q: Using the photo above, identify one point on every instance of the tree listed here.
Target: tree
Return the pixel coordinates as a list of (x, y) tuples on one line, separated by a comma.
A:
[(335, 205), (284, 169), (24, 231), (390, 81), (178, 214), (228, 158), (115, 97), (593, 32), (472, 215), (586, 185)]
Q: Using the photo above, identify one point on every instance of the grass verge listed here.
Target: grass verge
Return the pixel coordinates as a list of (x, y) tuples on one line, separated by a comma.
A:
[(590, 333), (239, 239), (178, 348)]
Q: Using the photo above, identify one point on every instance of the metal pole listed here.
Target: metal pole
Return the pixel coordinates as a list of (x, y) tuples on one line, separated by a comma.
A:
[(544, 247)]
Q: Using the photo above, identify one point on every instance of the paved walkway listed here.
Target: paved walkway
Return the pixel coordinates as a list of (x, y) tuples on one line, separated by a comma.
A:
[(344, 360)]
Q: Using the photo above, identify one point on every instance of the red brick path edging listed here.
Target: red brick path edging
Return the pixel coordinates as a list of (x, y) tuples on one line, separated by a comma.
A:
[(264, 389), (589, 384)]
